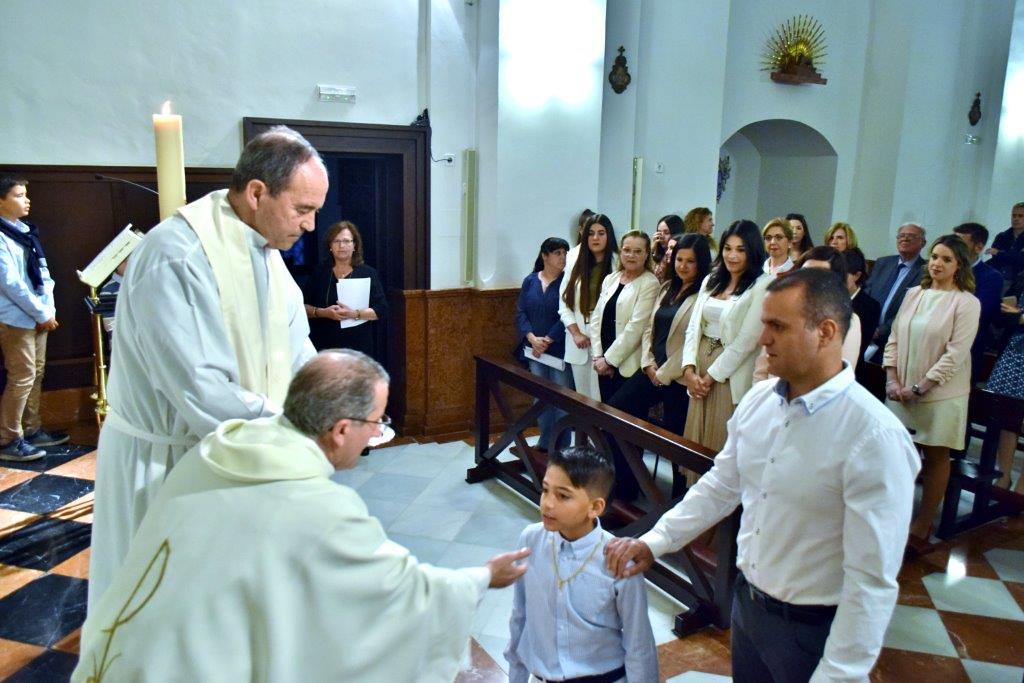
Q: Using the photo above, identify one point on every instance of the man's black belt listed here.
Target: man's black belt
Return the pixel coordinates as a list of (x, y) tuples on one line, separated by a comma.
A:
[(805, 614), (607, 677)]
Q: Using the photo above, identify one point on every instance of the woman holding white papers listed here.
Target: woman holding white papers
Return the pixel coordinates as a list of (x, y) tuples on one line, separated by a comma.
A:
[(542, 335), (343, 311)]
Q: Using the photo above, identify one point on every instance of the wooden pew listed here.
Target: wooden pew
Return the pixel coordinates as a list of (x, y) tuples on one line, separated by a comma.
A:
[(701, 578), (992, 413)]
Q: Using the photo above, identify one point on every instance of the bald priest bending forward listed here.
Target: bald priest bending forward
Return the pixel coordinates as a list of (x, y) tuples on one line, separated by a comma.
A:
[(210, 326), (252, 565), (824, 521)]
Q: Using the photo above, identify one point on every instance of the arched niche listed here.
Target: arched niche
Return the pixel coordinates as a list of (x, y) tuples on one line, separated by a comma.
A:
[(779, 166)]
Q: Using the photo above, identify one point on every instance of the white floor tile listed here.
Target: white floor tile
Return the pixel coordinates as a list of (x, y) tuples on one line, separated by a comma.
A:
[(494, 530), (920, 630), (417, 462), (441, 523), (458, 555), (987, 672), (393, 486), (662, 611), (353, 478), (1009, 564), (426, 550), (385, 510), (698, 677), (971, 595)]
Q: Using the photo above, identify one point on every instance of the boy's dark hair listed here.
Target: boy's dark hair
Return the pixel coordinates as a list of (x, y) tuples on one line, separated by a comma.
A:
[(7, 183), (586, 468), (976, 231)]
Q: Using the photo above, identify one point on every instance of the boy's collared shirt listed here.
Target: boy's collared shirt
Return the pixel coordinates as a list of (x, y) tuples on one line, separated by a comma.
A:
[(592, 625), (20, 304)]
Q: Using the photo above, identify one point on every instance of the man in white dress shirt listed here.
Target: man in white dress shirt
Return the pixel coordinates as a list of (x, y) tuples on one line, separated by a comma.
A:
[(825, 475), (210, 326)]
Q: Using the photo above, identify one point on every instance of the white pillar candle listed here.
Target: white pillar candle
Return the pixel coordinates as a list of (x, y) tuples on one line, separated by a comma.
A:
[(170, 161)]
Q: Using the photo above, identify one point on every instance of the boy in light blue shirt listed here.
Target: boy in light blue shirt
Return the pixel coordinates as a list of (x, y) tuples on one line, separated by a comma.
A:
[(571, 618)]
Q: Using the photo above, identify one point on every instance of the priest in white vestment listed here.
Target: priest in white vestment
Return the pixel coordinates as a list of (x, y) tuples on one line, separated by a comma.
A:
[(253, 565), (210, 326)]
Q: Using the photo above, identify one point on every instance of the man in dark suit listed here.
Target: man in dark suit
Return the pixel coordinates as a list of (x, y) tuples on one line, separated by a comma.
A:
[(890, 279), (988, 287), (1007, 250)]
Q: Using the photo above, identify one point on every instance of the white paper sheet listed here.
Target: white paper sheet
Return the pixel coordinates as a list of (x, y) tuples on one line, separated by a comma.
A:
[(354, 293), (546, 359)]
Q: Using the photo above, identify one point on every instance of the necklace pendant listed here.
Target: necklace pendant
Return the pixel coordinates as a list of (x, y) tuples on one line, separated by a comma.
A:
[(561, 584)]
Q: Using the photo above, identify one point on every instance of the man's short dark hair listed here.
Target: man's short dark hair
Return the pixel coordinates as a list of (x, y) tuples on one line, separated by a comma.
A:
[(272, 157), (586, 468), (335, 384), (856, 264), (976, 231), (9, 182), (825, 296), (830, 255)]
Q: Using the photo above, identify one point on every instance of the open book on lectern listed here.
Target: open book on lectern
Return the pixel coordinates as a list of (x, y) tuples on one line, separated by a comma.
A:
[(100, 268)]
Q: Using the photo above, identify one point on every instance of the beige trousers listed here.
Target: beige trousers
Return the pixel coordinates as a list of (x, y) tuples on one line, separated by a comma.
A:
[(24, 359)]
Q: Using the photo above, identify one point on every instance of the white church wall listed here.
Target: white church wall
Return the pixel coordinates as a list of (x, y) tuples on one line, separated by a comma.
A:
[(832, 109), (618, 112), (680, 80), (1007, 187), (453, 54), (545, 168), (783, 183), (86, 95)]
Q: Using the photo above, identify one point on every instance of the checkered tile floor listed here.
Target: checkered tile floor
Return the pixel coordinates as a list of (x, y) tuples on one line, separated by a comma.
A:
[(960, 615)]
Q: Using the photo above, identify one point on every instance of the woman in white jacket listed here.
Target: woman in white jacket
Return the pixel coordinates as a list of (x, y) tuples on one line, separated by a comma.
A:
[(617, 325), (722, 339), (578, 295)]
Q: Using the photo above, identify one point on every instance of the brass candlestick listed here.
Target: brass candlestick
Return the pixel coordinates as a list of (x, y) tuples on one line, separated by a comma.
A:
[(99, 365)]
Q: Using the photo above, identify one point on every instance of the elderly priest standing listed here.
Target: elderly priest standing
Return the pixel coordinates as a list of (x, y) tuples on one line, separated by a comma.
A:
[(210, 326), (254, 566)]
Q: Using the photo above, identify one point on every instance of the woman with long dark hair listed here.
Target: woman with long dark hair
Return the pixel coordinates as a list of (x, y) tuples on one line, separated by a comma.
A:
[(542, 335), (927, 364), (801, 241), (721, 340), (661, 351), (344, 260), (667, 226), (578, 295)]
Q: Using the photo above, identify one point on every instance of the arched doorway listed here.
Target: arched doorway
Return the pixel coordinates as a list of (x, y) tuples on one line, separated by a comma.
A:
[(778, 166)]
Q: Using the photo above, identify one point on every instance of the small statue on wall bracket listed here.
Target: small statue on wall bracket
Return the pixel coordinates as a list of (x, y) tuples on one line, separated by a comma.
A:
[(974, 115), (793, 53), (724, 171), (619, 76)]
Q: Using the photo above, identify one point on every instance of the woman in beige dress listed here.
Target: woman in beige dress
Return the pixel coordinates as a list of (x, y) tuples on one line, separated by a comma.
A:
[(721, 340), (928, 368)]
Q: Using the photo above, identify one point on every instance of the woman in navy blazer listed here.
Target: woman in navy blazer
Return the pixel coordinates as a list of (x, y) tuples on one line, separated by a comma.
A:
[(542, 335)]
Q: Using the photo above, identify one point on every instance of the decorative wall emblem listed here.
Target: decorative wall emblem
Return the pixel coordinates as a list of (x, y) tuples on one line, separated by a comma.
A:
[(619, 76), (793, 53), (724, 171)]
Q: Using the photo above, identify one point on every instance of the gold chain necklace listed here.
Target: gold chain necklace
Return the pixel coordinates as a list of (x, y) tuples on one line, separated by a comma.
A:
[(554, 562)]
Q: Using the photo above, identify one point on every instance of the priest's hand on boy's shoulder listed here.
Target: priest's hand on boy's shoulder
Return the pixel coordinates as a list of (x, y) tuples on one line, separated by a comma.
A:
[(627, 556), (506, 568)]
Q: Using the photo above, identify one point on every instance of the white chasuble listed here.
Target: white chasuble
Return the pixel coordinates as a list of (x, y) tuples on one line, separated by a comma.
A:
[(181, 363), (254, 566)]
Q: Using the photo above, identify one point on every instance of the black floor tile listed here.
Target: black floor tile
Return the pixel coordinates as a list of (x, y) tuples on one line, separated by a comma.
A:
[(44, 611), (45, 493), (55, 457), (52, 666), (44, 544)]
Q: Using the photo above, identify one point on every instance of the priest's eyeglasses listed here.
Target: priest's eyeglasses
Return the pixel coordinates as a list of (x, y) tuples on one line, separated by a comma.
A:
[(384, 422)]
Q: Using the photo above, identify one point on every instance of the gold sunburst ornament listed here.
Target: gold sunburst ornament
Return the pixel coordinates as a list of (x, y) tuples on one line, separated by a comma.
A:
[(793, 53)]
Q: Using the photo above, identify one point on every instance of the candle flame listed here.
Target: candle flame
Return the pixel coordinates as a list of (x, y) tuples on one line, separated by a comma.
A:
[(166, 108)]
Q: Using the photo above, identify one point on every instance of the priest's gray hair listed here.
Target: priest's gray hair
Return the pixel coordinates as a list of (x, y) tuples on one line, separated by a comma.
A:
[(335, 384), (272, 157)]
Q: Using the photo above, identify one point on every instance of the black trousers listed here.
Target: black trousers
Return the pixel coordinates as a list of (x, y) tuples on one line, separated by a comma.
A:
[(637, 396), (770, 647)]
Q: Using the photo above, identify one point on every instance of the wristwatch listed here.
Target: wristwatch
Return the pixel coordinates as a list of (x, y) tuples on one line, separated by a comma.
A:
[(916, 390)]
